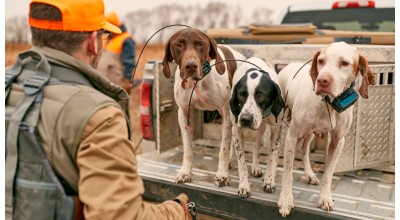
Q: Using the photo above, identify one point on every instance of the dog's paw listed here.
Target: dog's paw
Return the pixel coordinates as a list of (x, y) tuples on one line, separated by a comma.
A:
[(244, 192), (325, 202), (269, 183), (221, 180), (183, 177), (312, 180), (256, 171), (285, 204)]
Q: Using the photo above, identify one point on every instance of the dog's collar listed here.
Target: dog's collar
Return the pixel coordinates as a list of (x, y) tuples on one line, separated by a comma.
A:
[(206, 68), (344, 100)]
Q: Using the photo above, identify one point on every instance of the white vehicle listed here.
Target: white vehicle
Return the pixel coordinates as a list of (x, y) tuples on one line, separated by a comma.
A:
[(347, 15)]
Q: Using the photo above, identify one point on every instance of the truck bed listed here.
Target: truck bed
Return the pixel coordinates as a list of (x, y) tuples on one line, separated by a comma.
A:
[(365, 194)]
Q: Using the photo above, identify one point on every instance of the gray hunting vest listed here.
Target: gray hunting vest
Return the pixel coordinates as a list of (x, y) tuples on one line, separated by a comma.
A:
[(53, 96)]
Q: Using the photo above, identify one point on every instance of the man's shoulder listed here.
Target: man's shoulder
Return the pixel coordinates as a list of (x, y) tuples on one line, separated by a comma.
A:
[(129, 40)]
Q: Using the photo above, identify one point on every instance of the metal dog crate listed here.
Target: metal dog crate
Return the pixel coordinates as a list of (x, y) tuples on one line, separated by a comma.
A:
[(370, 140)]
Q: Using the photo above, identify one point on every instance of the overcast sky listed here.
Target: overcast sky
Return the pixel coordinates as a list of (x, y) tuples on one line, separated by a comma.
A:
[(20, 7)]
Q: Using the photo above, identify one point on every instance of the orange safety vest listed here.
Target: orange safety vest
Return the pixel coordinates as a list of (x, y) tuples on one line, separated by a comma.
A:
[(115, 44)]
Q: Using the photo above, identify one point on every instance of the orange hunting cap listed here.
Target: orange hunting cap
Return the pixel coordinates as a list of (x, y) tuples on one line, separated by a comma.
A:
[(112, 17), (77, 15)]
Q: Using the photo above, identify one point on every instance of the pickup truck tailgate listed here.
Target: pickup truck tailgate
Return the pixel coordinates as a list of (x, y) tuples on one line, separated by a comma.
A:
[(357, 195)]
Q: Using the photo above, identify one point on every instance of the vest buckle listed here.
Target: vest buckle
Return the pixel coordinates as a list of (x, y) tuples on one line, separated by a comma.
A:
[(35, 83)]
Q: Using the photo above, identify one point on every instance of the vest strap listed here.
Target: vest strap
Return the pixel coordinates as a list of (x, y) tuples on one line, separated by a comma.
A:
[(31, 86), (11, 146)]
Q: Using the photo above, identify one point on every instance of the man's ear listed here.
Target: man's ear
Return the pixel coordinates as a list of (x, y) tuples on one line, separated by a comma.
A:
[(234, 102), (314, 68), (92, 43), (167, 58), (368, 78), (278, 102), (215, 55)]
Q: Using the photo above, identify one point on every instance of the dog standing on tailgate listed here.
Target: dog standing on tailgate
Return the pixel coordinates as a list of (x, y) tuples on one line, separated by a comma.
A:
[(256, 101), (333, 71), (192, 49)]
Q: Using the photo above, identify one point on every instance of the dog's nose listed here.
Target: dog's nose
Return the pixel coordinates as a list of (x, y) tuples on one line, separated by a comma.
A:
[(246, 120), (191, 66), (324, 80)]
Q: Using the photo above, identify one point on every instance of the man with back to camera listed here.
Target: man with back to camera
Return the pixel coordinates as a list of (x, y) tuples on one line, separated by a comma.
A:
[(81, 129)]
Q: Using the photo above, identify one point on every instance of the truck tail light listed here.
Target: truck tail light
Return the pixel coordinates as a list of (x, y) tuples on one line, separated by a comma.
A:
[(353, 4), (146, 124)]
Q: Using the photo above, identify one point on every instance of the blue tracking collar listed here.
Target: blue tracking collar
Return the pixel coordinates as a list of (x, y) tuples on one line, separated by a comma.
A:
[(344, 100)]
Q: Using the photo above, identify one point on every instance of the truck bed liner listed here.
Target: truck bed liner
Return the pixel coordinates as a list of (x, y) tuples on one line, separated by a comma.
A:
[(368, 194)]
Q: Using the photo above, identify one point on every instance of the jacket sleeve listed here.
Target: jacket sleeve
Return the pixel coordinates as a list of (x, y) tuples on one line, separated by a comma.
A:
[(128, 57), (109, 184)]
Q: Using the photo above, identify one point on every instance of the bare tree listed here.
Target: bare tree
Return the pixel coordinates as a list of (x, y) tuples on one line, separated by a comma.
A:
[(17, 30), (144, 23), (262, 16)]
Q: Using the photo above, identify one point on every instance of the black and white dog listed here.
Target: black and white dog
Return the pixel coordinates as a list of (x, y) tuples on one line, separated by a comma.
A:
[(256, 100)]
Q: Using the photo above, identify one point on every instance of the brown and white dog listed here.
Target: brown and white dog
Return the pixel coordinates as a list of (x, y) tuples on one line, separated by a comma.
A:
[(190, 48), (332, 71)]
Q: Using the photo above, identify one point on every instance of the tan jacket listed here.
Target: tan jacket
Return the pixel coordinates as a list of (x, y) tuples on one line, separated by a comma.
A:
[(107, 181)]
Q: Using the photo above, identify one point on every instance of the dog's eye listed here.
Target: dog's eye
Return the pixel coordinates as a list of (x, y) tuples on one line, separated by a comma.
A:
[(321, 62), (241, 97), (260, 98), (344, 63), (199, 44), (179, 45)]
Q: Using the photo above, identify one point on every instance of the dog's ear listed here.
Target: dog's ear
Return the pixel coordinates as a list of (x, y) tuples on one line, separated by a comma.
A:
[(234, 102), (215, 55), (278, 104), (368, 78), (167, 58), (314, 68)]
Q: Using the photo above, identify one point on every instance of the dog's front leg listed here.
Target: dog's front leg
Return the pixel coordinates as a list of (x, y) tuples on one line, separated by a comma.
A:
[(222, 176), (335, 147), (237, 144), (255, 167), (285, 202), (184, 174), (270, 173), (308, 172)]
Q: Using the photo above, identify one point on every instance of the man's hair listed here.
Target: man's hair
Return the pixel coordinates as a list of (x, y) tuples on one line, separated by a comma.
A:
[(66, 41)]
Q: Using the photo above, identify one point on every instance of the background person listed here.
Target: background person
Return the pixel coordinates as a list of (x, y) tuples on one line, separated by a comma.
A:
[(118, 60)]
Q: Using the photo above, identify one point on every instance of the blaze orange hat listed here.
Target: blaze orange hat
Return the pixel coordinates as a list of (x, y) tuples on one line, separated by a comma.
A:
[(77, 15), (112, 17)]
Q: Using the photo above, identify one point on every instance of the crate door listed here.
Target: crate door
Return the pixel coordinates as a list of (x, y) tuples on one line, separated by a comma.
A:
[(167, 127)]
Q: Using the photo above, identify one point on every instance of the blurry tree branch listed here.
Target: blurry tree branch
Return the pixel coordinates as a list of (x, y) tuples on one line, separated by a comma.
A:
[(144, 23)]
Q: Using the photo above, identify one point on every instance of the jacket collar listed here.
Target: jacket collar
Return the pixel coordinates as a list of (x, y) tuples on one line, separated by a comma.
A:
[(99, 81)]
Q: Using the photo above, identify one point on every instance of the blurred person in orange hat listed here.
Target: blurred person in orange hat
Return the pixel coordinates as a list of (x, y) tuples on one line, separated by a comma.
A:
[(118, 60), (68, 148)]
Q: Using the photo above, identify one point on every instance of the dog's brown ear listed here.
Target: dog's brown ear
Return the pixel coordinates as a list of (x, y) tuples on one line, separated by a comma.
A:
[(314, 68), (215, 55), (368, 78), (167, 58)]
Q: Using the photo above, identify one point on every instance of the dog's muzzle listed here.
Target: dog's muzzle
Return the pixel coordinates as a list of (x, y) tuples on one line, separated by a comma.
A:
[(246, 120)]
